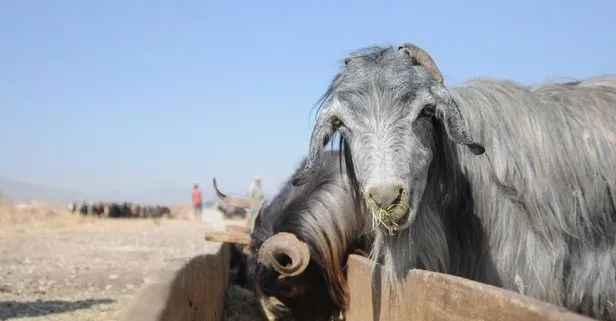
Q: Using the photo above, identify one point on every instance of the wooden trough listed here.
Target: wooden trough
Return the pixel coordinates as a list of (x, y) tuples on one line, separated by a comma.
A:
[(193, 290), (188, 289), (439, 297)]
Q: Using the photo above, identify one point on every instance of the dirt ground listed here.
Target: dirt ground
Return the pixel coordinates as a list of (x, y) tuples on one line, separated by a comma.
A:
[(55, 265)]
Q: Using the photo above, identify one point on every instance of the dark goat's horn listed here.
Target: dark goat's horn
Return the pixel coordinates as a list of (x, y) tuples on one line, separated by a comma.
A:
[(285, 253), (424, 59), (218, 192)]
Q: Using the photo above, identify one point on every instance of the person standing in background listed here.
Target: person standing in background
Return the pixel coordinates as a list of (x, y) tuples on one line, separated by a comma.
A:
[(256, 193), (197, 202)]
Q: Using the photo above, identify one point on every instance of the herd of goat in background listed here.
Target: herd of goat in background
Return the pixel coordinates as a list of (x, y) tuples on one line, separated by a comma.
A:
[(490, 180), (120, 210)]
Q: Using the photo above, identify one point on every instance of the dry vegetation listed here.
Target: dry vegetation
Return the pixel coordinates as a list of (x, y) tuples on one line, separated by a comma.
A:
[(55, 265)]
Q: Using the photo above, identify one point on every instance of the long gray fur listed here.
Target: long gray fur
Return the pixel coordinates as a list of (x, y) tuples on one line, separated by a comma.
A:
[(535, 213)]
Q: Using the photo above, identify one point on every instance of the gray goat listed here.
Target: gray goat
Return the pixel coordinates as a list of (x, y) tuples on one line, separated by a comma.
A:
[(538, 206)]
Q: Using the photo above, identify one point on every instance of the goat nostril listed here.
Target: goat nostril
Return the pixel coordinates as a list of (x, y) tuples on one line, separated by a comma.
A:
[(385, 195)]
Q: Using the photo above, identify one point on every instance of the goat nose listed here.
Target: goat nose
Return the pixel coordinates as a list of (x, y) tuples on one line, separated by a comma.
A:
[(385, 195)]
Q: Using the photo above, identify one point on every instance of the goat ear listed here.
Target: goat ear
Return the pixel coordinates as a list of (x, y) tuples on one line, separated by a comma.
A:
[(448, 113)]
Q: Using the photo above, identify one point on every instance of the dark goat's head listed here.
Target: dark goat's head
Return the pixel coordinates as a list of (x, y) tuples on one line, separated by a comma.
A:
[(285, 254), (288, 282)]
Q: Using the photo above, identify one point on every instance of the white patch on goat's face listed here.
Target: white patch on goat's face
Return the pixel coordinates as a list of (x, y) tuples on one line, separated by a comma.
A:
[(376, 103), (391, 146)]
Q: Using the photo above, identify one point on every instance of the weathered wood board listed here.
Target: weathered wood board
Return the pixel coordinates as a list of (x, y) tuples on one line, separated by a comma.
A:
[(227, 237), (430, 296), (187, 289), (240, 226)]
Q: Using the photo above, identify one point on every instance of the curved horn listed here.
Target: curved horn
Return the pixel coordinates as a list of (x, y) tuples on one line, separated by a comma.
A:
[(285, 253), (447, 107), (424, 59), (321, 134), (218, 192)]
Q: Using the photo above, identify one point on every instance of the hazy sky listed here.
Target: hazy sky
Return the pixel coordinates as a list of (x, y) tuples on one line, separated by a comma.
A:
[(126, 95)]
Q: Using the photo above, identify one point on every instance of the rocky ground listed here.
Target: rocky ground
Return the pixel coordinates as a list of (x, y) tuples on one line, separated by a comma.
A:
[(55, 265)]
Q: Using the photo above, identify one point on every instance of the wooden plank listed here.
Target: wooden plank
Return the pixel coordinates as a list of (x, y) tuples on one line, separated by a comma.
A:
[(241, 228), (228, 237), (430, 296), (187, 289), (368, 293)]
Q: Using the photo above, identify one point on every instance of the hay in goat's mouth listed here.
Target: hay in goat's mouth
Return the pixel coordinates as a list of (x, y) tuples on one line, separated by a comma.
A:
[(387, 217)]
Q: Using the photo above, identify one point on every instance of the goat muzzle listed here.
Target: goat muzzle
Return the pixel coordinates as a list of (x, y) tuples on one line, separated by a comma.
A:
[(285, 253)]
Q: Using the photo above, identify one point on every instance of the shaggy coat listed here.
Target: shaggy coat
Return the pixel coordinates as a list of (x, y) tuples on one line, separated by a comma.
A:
[(491, 180)]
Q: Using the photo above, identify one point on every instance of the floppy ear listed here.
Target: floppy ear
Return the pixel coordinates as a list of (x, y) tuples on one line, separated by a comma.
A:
[(448, 113)]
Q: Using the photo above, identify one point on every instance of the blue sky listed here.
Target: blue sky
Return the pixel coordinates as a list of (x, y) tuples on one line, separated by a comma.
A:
[(129, 95)]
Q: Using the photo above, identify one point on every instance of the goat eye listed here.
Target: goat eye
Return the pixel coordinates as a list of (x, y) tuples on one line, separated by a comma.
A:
[(336, 122), (427, 111)]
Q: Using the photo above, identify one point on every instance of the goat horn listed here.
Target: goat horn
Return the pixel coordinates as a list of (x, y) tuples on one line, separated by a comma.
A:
[(424, 59), (285, 244), (220, 194)]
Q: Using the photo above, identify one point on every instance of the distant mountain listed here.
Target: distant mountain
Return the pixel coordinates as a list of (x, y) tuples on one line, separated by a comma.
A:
[(21, 192), (167, 194)]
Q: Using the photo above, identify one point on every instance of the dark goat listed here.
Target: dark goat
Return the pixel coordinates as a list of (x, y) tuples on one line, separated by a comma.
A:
[(227, 208), (84, 209), (98, 209), (154, 211), (116, 210), (162, 211), (301, 241)]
